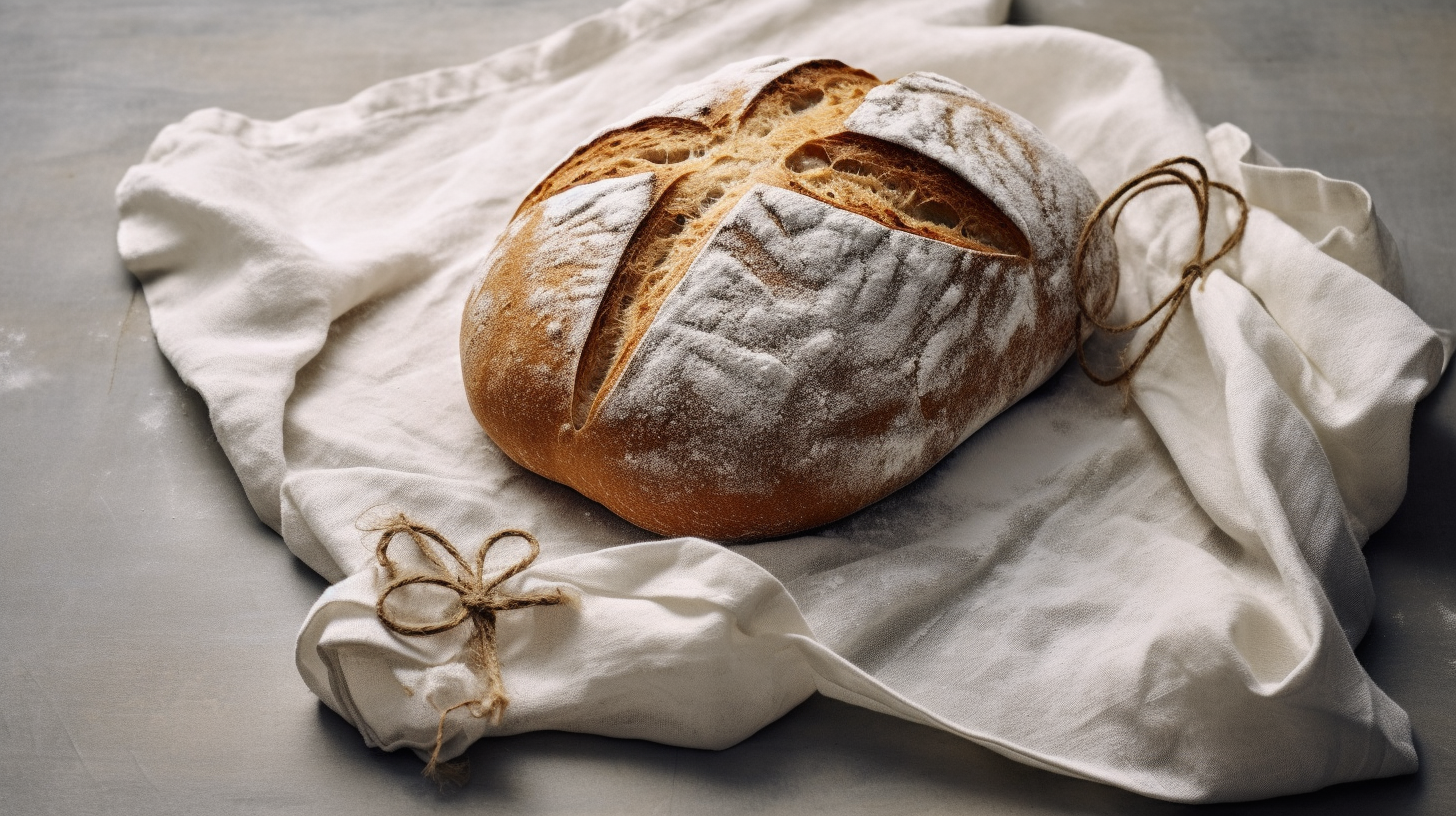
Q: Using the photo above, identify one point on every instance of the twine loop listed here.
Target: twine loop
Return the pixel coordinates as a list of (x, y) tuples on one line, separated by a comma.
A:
[(1196, 270), (480, 599)]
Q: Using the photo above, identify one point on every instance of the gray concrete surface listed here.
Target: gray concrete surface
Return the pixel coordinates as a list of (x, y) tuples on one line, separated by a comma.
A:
[(147, 618)]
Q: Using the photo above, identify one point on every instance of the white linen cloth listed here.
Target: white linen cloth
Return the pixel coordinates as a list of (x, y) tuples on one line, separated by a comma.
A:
[(1162, 596)]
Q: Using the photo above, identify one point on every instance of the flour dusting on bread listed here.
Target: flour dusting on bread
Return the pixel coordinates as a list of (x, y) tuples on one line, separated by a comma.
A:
[(777, 295)]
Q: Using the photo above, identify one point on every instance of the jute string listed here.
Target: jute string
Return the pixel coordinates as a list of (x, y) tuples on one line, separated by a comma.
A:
[(1162, 174), (480, 598)]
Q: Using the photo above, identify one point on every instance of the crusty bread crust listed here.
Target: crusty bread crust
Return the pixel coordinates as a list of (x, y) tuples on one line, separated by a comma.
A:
[(764, 312)]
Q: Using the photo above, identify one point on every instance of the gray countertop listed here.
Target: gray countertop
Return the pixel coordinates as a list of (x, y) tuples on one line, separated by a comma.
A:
[(147, 618)]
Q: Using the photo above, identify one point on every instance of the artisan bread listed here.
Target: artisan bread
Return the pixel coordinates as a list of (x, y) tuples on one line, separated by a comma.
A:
[(777, 295)]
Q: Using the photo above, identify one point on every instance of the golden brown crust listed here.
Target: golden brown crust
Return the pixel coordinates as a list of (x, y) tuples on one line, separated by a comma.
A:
[(539, 377)]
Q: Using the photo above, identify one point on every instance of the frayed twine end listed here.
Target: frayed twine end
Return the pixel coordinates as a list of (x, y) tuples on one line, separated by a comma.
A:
[(449, 776)]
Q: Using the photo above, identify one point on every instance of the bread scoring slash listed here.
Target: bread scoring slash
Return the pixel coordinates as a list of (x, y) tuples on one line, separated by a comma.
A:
[(777, 295)]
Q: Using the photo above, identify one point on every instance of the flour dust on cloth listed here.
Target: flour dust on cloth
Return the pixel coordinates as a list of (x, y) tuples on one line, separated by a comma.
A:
[(1162, 596)]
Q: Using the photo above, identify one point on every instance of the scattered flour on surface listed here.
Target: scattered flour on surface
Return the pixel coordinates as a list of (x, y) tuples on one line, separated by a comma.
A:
[(162, 408), (1448, 616), (15, 374)]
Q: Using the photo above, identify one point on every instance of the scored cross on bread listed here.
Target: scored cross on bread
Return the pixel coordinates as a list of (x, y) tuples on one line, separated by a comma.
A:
[(790, 135), (777, 295)]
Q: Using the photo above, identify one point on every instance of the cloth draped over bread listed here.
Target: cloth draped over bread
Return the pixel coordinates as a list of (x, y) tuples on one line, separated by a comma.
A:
[(1162, 594)]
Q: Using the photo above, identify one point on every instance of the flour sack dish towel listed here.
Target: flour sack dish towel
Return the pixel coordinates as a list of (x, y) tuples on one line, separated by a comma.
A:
[(1161, 595)]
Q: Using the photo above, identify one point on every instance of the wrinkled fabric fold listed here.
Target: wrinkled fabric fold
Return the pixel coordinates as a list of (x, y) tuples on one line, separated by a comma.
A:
[(1163, 595)]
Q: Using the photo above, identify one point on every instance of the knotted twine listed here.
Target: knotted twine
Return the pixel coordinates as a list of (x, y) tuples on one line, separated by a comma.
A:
[(1162, 174), (480, 598)]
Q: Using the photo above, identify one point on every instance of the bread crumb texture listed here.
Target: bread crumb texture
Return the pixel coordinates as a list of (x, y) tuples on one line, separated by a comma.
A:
[(777, 295)]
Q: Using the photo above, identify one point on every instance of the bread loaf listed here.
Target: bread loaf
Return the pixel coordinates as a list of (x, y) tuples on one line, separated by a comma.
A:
[(777, 295)]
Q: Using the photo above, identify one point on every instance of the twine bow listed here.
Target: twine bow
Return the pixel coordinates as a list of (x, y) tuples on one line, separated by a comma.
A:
[(1162, 174), (480, 598)]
